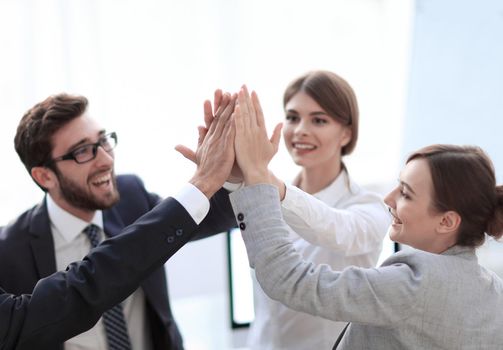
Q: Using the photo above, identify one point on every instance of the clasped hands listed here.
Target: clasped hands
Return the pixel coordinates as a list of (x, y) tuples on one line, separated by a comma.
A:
[(233, 145)]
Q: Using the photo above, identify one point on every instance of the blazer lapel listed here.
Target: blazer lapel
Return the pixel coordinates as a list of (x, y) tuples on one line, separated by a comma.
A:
[(41, 241)]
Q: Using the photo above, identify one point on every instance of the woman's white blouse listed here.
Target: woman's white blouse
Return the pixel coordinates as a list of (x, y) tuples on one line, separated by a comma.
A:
[(341, 225)]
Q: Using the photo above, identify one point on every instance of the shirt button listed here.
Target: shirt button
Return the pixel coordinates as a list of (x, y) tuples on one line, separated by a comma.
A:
[(242, 226), (179, 232), (241, 216), (171, 239)]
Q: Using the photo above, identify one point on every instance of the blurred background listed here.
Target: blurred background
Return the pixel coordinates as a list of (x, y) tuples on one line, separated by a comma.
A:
[(424, 71)]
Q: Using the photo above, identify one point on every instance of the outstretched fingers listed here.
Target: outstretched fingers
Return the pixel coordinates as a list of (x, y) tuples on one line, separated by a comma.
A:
[(217, 100), (259, 115), (229, 109), (229, 134), (208, 114), (202, 131), (224, 114), (237, 118), (215, 122), (276, 137), (247, 109), (186, 152)]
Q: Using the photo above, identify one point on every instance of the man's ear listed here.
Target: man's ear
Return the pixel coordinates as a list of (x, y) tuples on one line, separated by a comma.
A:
[(347, 135), (44, 177), (449, 222)]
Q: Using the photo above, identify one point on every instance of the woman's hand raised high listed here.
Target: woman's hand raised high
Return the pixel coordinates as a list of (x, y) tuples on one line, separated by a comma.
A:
[(254, 150)]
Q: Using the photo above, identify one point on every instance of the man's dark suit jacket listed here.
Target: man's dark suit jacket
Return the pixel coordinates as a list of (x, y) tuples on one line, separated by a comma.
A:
[(68, 303), (27, 251)]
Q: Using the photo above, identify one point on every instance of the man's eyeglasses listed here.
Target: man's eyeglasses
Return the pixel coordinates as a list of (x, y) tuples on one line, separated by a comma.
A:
[(86, 153)]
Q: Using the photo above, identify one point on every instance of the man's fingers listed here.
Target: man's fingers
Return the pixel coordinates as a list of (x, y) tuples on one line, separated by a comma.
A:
[(224, 101), (217, 100), (229, 132), (202, 131), (223, 104), (208, 114), (186, 152), (237, 118), (221, 118), (226, 114)]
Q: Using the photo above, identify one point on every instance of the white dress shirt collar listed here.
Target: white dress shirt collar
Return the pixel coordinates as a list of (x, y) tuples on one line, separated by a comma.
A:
[(338, 189), (67, 224)]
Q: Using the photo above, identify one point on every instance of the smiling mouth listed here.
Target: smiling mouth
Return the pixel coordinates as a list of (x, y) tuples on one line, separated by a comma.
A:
[(102, 180), (303, 146), (396, 220)]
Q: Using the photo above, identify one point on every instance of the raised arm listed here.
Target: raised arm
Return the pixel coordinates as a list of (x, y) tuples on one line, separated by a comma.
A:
[(356, 294), (70, 302), (381, 297), (220, 217), (356, 229), (254, 150)]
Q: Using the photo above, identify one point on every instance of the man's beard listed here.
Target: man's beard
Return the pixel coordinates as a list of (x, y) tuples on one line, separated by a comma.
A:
[(78, 197)]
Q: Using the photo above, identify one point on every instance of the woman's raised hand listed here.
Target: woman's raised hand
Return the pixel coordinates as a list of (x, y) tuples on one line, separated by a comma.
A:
[(254, 150)]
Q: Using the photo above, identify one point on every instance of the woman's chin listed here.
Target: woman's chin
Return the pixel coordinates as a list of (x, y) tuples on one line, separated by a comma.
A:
[(394, 232)]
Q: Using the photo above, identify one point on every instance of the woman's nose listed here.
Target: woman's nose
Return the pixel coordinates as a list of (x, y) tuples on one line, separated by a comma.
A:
[(389, 200), (301, 128)]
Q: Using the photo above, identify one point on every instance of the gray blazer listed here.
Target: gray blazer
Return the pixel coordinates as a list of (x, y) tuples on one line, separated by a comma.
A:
[(414, 300)]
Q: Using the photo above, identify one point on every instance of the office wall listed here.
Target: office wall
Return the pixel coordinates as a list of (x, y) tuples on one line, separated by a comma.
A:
[(147, 66), (456, 76), (456, 85)]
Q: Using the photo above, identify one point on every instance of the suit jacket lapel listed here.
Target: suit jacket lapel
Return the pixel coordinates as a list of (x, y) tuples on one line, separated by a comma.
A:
[(41, 241)]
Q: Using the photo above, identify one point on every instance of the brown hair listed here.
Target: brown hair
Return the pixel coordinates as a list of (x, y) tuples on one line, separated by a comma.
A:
[(39, 123), (334, 95), (464, 181)]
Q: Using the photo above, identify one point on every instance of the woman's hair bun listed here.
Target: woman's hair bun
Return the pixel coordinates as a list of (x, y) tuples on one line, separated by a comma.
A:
[(495, 225)]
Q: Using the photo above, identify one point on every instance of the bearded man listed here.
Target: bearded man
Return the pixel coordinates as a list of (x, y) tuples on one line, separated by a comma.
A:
[(71, 158)]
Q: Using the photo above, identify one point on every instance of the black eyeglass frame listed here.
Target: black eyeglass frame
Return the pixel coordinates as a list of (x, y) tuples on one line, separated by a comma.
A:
[(102, 142)]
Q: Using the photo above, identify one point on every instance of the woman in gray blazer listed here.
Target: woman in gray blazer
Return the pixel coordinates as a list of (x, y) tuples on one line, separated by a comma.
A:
[(435, 296)]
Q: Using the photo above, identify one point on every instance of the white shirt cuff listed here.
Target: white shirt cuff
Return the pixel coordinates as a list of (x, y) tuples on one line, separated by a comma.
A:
[(194, 201), (231, 187), (289, 198)]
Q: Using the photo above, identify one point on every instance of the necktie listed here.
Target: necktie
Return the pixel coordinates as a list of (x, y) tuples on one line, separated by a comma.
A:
[(113, 319)]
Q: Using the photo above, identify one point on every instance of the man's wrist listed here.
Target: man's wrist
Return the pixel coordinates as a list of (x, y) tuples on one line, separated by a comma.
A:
[(205, 185)]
